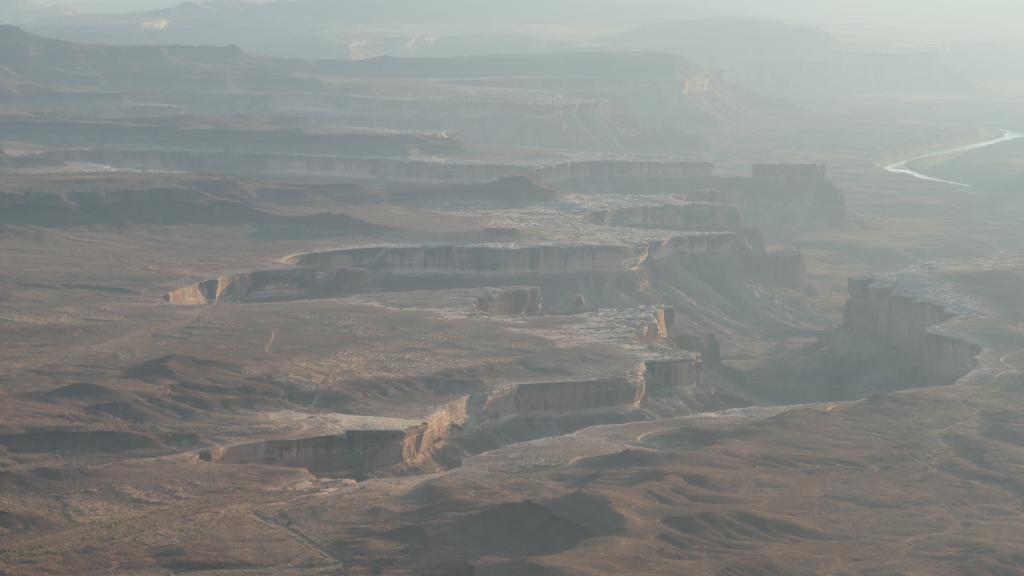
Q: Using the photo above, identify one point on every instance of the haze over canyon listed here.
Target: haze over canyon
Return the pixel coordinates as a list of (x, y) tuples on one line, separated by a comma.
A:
[(547, 288)]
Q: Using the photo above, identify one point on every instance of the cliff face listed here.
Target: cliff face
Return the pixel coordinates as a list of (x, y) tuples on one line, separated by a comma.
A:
[(422, 443), (512, 411), (784, 199), (585, 395), (896, 335), (707, 346), (274, 285), (556, 292), (701, 244), (571, 277), (513, 301), (550, 258), (354, 452), (906, 323), (668, 378), (718, 256)]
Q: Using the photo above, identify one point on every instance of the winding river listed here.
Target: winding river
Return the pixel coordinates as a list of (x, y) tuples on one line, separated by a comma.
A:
[(903, 166)]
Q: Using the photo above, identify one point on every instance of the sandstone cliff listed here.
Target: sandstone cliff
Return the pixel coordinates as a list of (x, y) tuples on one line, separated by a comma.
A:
[(571, 277), (583, 395), (672, 377), (475, 422), (903, 318), (895, 335), (273, 285), (784, 199), (512, 301), (482, 258)]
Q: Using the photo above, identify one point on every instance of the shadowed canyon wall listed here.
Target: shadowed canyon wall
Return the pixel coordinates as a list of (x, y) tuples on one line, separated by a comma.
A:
[(896, 335), (909, 323)]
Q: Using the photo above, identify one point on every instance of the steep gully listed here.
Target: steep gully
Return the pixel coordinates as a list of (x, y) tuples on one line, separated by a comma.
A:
[(902, 167)]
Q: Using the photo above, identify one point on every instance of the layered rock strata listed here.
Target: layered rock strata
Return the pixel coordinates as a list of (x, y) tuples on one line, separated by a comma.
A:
[(512, 301), (783, 199), (908, 322), (692, 216), (274, 285), (398, 449), (571, 277), (480, 259)]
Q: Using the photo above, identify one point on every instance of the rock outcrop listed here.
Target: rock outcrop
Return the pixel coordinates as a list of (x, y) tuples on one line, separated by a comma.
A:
[(689, 217), (512, 301), (907, 321), (672, 377), (581, 395), (707, 346), (274, 285), (572, 277), (660, 324), (482, 420), (784, 199), (359, 452), (480, 258), (700, 244), (897, 334)]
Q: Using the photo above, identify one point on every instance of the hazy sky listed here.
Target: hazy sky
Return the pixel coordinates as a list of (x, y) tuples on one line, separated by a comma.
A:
[(997, 16)]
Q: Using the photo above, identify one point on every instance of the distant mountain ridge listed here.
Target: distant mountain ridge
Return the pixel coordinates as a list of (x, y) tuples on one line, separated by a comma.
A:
[(45, 62), (616, 101), (717, 35), (796, 63)]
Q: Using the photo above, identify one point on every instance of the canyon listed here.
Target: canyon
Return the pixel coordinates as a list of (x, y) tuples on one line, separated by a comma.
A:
[(592, 309), (469, 423), (902, 318), (561, 272)]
